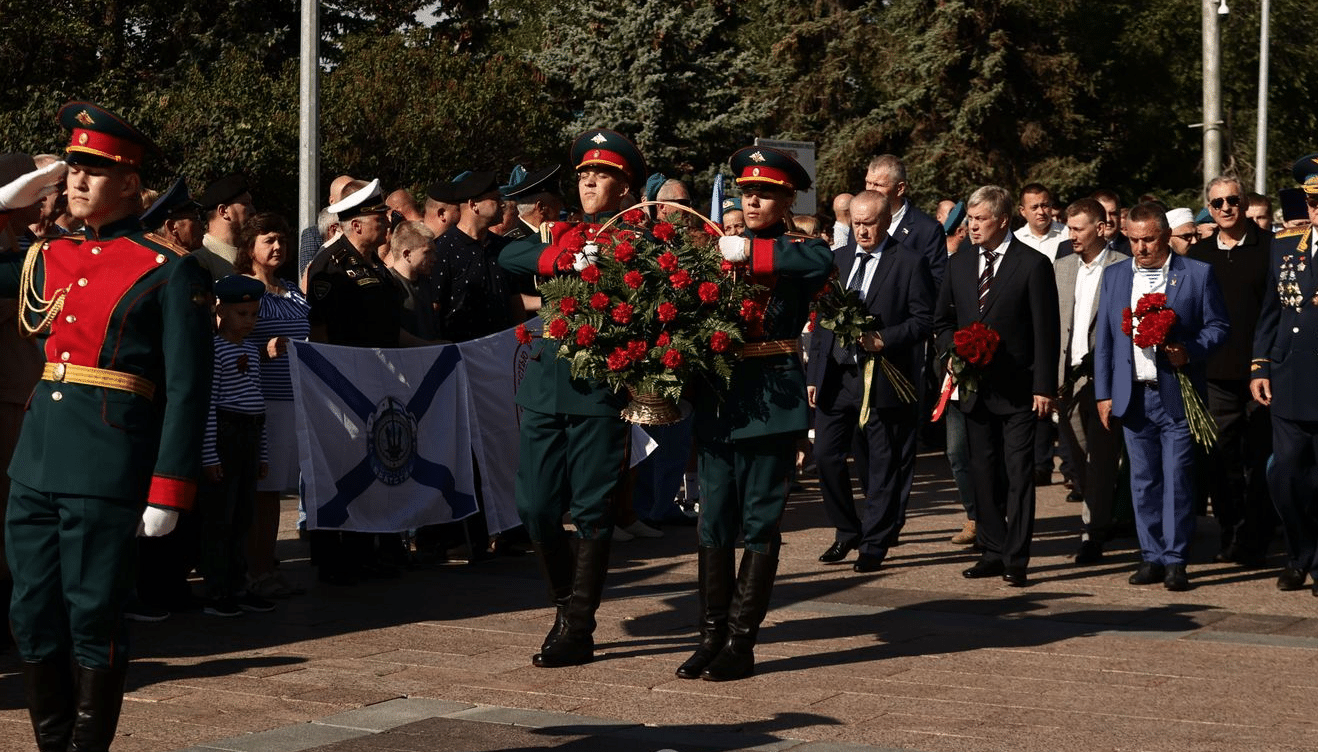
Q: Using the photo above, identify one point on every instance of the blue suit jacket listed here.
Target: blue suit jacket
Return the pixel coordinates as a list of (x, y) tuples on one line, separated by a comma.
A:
[(1286, 338), (901, 297), (922, 233), (1201, 325)]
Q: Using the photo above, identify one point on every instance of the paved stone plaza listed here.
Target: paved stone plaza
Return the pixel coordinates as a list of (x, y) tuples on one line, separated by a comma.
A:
[(912, 658)]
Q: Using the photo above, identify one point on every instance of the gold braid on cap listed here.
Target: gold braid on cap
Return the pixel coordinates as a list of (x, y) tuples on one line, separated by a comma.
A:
[(47, 310)]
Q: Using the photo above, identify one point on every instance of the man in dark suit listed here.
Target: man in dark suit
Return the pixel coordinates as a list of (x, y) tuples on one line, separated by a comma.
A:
[(898, 291), (1139, 386), (1238, 251), (1284, 371), (913, 228), (1093, 448), (1009, 287)]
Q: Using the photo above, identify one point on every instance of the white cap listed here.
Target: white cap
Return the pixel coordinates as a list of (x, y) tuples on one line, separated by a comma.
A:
[(367, 200), (1179, 216)]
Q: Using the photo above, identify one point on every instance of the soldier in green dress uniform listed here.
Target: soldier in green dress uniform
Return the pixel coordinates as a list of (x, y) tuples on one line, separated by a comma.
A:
[(111, 441), (572, 441), (747, 433)]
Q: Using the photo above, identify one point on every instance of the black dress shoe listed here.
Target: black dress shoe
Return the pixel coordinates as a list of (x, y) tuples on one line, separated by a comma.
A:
[(1015, 576), (1148, 573), (867, 563), (836, 552), (1291, 579), (1229, 553), (1091, 552), (1176, 580), (984, 568), (1043, 477)]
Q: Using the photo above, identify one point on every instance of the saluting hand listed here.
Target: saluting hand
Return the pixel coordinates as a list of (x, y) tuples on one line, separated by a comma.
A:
[(31, 187)]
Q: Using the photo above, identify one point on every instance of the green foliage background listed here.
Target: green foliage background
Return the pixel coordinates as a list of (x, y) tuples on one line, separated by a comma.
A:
[(1074, 93)]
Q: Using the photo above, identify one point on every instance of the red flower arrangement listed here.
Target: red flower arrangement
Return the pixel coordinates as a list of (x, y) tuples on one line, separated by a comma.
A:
[(653, 311), (1149, 325), (972, 351)]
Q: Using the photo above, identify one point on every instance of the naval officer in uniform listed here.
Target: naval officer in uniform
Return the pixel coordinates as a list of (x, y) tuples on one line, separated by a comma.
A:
[(111, 442)]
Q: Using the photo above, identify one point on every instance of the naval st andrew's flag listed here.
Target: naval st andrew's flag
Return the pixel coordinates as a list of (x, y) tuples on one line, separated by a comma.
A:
[(383, 436)]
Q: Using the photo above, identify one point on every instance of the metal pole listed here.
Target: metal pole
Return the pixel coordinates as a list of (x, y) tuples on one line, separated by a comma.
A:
[(308, 148), (1212, 93), (1261, 140)]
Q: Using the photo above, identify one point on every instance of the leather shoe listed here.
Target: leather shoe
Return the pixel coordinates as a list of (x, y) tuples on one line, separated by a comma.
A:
[(1091, 552), (836, 552), (1043, 477), (1291, 579), (984, 568), (1229, 553), (1148, 573), (1015, 576), (867, 563), (1176, 580)]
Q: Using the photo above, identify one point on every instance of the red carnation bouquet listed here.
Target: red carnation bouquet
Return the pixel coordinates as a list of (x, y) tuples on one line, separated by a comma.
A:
[(841, 311), (654, 311), (972, 351), (1149, 326)]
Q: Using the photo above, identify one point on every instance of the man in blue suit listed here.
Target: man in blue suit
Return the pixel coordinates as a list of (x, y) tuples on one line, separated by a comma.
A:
[(894, 282), (1283, 373), (913, 228), (1139, 386)]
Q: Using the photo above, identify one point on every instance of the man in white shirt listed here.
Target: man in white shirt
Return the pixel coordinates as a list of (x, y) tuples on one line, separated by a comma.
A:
[(1093, 448), (841, 220), (1039, 232)]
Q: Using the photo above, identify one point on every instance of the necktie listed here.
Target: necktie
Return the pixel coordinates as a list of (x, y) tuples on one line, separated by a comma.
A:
[(986, 277), (847, 355)]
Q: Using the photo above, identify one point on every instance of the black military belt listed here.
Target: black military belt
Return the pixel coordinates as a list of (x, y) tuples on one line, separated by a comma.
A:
[(68, 373)]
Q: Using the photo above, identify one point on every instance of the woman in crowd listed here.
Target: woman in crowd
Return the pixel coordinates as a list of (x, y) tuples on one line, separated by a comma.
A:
[(263, 247)]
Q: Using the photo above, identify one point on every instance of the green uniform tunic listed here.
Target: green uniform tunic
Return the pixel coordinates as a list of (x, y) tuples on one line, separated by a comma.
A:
[(89, 458), (746, 433), (572, 443)]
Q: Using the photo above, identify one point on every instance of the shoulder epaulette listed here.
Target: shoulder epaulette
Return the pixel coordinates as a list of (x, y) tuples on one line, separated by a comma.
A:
[(546, 231), (166, 243), (1290, 232), (799, 236)]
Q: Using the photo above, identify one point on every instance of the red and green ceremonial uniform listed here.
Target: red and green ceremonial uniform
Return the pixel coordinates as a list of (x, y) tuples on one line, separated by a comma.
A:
[(747, 432), (124, 321), (572, 440)]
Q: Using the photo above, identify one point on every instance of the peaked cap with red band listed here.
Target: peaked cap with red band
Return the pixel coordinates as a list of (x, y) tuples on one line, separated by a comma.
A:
[(101, 138), (606, 148), (760, 164)]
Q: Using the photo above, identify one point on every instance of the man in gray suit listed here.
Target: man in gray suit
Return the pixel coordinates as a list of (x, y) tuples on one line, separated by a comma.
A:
[(1093, 448)]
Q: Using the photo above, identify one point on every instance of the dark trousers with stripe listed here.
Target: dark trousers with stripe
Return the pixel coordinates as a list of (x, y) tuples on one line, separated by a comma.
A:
[(569, 463), (74, 559)]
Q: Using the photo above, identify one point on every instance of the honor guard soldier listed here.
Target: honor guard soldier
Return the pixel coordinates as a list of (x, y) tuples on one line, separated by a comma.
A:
[(747, 433), (572, 440), (111, 442), (1282, 376)]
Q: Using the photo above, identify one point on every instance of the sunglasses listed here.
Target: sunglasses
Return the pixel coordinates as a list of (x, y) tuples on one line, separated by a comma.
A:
[(1228, 200)]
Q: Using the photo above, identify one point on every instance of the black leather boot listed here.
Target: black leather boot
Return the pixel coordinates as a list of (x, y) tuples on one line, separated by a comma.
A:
[(100, 695), (754, 586), (556, 563), (48, 686), (715, 582), (576, 644)]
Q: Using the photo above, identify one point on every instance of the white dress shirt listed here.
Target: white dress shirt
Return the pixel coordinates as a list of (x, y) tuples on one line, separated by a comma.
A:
[(1001, 250), (1143, 282), (1088, 278), (1047, 245), (876, 255)]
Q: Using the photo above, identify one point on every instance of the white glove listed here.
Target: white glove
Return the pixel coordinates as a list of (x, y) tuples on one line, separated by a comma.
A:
[(29, 188), (734, 248), (157, 522), (584, 258)]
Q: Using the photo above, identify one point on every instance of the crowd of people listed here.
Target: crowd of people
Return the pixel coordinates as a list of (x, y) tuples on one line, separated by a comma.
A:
[(161, 378)]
